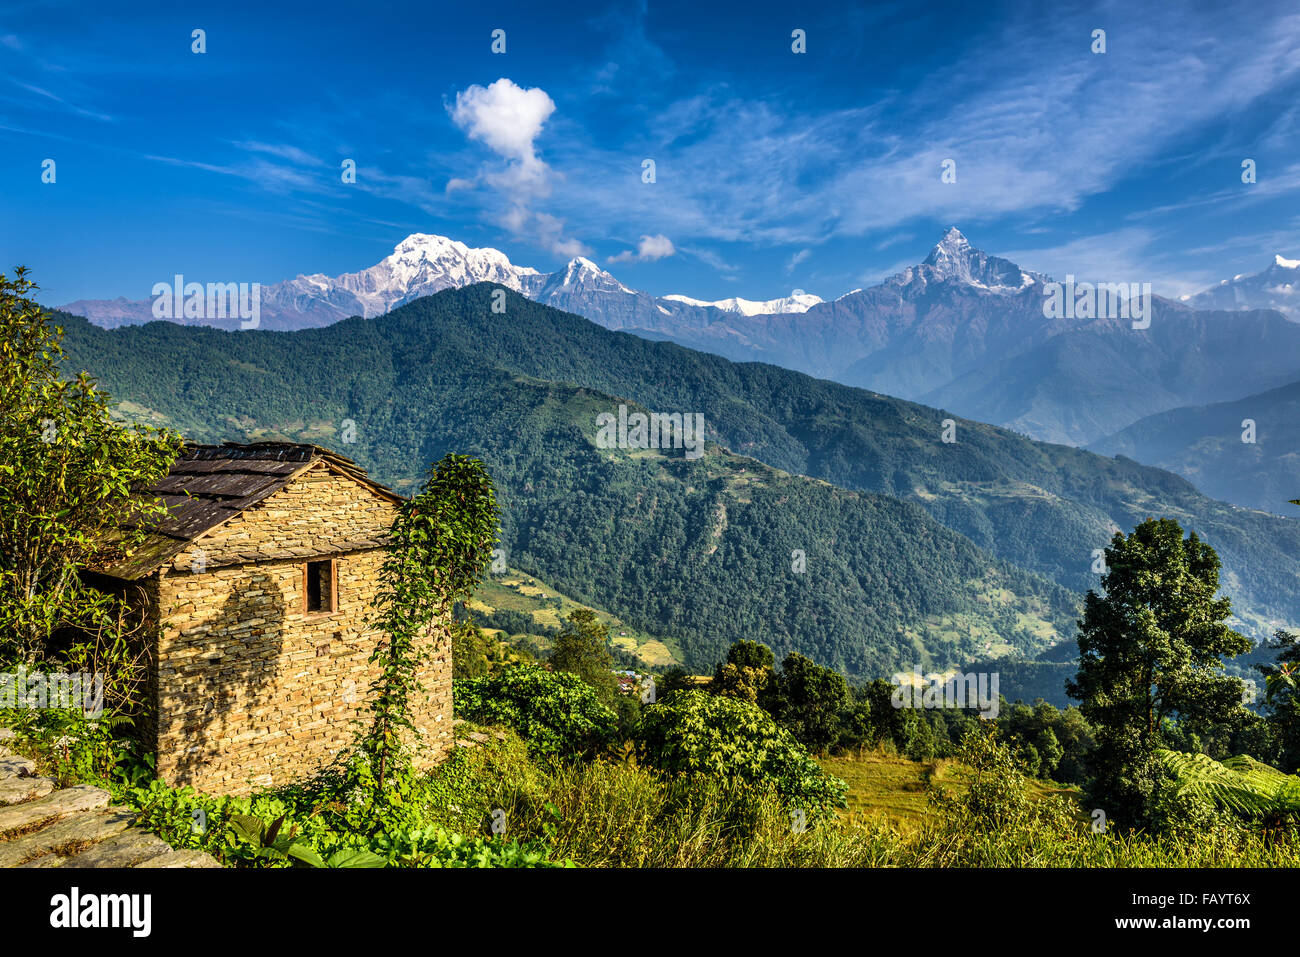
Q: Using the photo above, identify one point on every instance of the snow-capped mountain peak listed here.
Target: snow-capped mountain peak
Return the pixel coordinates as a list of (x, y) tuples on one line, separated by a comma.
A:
[(423, 257), (798, 301), (580, 273), (1276, 287), (426, 263), (953, 243), (954, 259), (579, 268)]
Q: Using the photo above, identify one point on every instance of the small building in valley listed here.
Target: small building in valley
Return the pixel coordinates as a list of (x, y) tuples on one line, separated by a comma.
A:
[(257, 593)]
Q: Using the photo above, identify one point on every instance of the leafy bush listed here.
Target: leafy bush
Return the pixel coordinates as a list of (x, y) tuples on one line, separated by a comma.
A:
[(437, 847), (556, 712), (697, 733), (70, 747), (283, 829)]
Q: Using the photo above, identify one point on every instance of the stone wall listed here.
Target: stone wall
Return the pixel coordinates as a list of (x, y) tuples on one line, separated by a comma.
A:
[(254, 691)]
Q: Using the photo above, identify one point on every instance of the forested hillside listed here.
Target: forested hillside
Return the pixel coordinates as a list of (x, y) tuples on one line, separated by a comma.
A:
[(699, 552), (1043, 507), (1246, 451)]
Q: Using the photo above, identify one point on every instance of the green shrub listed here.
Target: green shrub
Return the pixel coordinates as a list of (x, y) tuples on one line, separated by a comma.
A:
[(696, 733), (556, 712), (282, 829), (438, 847)]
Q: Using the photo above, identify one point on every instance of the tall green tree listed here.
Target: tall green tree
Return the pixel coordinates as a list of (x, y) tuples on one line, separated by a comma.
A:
[(1282, 698), (582, 648), (68, 473), (747, 672), (873, 719), (1151, 650), (810, 701)]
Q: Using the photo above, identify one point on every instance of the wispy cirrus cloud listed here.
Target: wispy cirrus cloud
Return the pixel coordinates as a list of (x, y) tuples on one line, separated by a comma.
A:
[(64, 103), (767, 162), (1023, 138), (281, 150), (273, 177)]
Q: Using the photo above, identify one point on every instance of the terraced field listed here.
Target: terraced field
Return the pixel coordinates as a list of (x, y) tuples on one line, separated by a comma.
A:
[(519, 592), (892, 788)]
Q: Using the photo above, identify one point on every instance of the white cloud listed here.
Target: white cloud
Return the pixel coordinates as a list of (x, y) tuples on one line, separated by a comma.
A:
[(726, 270), (548, 231), (504, 116), (1113, 256), (507, 119), (1125, 254), (649, 249), (40, 91)]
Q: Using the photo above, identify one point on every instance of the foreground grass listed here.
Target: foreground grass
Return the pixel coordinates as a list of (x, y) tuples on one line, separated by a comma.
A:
[(617, 814)]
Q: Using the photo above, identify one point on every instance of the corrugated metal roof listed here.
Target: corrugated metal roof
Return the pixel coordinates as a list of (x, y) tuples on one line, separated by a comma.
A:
[(210, 484)]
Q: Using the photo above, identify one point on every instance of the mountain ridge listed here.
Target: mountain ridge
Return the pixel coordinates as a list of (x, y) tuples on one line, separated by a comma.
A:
[(1276, 287), (962, 329), (1045, 508), (1245, 451), (698, 552)]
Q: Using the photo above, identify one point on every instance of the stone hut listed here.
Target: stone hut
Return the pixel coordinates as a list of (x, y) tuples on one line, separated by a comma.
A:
[(258, 590)]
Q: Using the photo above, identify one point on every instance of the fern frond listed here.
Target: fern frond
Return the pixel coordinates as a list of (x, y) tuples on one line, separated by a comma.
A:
[(1241, 784)]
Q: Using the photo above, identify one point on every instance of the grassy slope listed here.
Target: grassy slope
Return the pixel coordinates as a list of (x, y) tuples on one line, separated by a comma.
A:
[(548, 607), (890, 788)]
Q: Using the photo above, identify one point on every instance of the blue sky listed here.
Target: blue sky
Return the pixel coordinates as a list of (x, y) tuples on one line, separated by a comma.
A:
[(774, 170)]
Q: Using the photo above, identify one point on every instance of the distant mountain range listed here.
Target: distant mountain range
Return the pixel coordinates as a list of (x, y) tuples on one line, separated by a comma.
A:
[(698, 552), (963, 331), (423, 264), (1277, 287), (1246, 451)]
